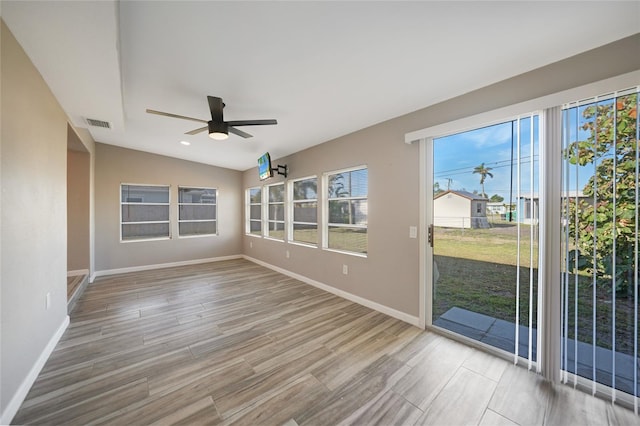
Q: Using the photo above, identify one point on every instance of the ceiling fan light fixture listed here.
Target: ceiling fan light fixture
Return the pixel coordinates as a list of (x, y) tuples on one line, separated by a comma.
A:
[(218, 131)]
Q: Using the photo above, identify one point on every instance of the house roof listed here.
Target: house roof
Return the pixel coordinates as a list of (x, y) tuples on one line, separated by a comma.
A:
[(464, 194)]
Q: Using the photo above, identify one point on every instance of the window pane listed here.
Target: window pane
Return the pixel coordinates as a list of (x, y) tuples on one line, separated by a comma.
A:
[(359, 183), (339, 185), (349, 239), (305, 212), (276, 230), (305, 233), (276, 193), (145, 230), (197, 212), (144, 194), (197, 195), (276, 212), (305, 189), (349, 184), (353, 212), (144, 213), (600, 242), (197, 228), (255, 227), (255, 212), (255, 195)]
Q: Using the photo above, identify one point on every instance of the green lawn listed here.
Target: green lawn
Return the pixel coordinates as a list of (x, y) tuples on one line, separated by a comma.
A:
[(478, 272)]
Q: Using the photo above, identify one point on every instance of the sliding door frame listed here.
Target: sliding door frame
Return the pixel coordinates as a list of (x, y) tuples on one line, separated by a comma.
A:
[(548, 361)]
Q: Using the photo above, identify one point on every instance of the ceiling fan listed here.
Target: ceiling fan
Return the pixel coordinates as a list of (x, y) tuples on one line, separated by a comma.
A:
[(218, 128)]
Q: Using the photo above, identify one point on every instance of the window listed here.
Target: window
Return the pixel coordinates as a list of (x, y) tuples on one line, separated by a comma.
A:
[(275, 215), (144, 212), (346, 210), (197, 211), (254, 211), (304, 211), (479, 208)]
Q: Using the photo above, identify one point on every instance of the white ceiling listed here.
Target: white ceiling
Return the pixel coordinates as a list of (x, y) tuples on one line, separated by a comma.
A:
[(322, 69)]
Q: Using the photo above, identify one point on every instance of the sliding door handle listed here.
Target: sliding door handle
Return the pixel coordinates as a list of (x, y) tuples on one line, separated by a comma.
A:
[(430, 235)]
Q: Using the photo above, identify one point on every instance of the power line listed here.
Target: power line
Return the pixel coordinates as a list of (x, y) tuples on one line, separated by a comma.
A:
[(470, 170), (497, 165)]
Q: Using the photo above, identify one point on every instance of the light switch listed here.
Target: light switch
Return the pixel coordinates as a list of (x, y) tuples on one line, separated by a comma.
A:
[(413, 232)]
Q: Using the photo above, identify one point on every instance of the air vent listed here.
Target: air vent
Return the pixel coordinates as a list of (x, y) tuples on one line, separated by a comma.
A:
[(98, 123)]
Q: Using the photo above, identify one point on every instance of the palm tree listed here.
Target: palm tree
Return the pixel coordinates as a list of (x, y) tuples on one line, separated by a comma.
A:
[(483, 172)]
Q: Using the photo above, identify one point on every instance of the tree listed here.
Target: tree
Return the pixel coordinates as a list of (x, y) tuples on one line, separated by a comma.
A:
[(339, 186), (483, 172), (496, 198), (437, 189), (611, 147)]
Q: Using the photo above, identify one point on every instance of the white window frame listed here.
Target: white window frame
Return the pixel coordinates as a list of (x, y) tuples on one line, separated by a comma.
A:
[(291, 208), (247, 206), (123, 203), (266, 203), (197, 204), (325, 210)]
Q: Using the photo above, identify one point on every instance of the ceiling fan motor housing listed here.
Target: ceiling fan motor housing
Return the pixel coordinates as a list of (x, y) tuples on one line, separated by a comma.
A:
[(218, 130)]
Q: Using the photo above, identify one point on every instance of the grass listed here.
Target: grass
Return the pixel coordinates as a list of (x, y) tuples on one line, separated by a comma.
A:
[(347, 239), (478, 271)]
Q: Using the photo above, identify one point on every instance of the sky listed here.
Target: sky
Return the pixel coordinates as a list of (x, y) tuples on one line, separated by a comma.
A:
[(500, 147), (456, 156)]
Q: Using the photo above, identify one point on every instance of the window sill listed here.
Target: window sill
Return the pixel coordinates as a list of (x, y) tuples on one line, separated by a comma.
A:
[(349, 253), (301, 244), (142, 240), (273, 239)]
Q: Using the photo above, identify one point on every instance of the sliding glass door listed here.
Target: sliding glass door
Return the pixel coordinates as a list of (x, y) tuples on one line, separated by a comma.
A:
[(493, 227), (484, 234), (600, 242)]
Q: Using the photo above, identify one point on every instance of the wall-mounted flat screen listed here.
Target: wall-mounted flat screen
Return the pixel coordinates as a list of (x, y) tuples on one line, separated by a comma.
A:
[(264, 167)]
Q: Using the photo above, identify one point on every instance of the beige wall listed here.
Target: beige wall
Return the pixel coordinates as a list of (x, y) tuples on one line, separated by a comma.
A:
[(78, 201), (389, 275), (116, 165), (89, 145), (34, 218)]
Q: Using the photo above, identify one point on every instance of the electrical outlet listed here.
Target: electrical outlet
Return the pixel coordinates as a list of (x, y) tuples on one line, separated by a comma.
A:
[(413, 232), (345, 269), (287, 254)]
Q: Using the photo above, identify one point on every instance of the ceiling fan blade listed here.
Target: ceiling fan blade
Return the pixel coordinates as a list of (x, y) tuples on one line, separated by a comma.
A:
[(215, 106), (168, 114), (251, 122), (196, 131), (239, 132)]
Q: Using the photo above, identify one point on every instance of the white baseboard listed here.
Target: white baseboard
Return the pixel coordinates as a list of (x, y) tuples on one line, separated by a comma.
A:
[(160, 266), (402, 316), (77, 272), (18, 398)]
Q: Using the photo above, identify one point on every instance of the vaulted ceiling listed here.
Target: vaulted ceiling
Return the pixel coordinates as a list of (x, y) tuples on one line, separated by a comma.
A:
[(322, 69)]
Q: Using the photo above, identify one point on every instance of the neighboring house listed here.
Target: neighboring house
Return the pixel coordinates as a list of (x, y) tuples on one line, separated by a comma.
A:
[(460, 209), (529, 206), (494, 208)]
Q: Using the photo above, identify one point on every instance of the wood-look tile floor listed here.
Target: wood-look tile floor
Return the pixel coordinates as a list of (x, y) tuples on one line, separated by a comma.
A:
[(72, 284), (235, 343)]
